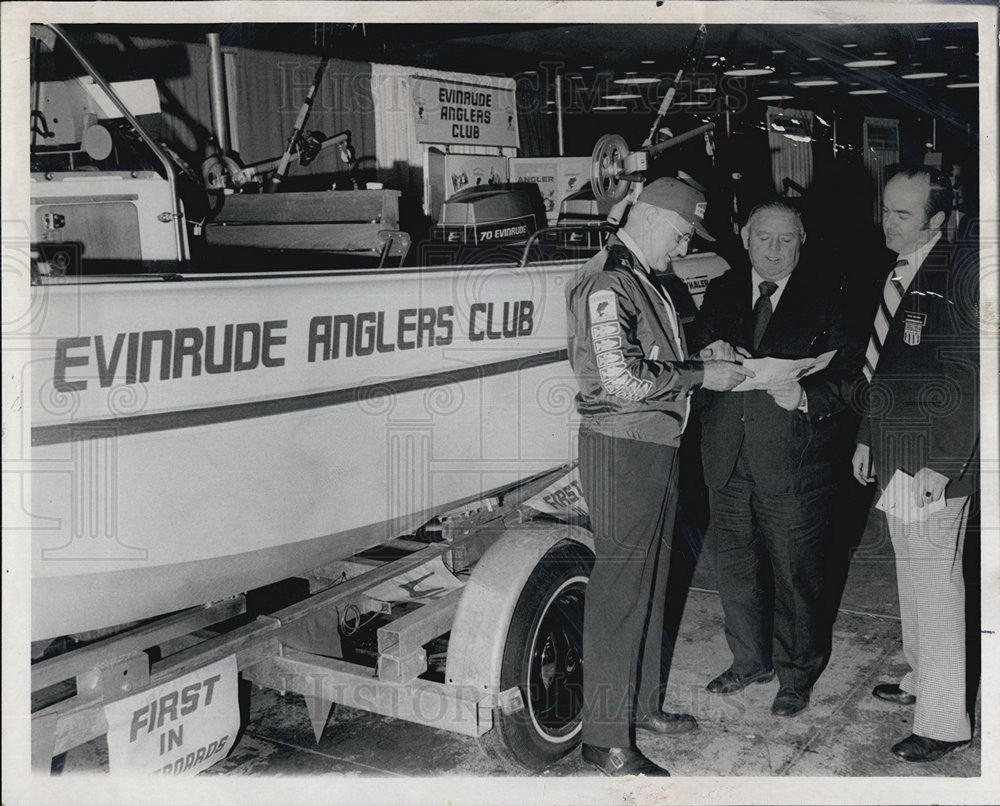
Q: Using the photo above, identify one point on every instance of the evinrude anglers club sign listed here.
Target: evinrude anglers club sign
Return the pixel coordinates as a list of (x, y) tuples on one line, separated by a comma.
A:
[(451, 112)]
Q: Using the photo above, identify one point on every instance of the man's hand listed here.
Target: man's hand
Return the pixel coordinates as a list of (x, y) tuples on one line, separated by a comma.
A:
[(928, 486), (862, 464), (788, 395), (720, 350), (721, 376)]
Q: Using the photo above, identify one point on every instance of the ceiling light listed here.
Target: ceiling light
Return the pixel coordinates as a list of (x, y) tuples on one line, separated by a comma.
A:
[(749, 71), (713, 56), (775, 97), (923, 39), (850, 45), (607, 108), (587, 67), (550, 103), (812, 58), (881, 53), (624, 96), (952, 47), (871, 63), (920, 76), (529, 72), (636, 80), (689, 103), (706, 90), (963, 85), (815, 82), (795, 73), (749, 64), (779, 51), (866, 92), (647, 61)]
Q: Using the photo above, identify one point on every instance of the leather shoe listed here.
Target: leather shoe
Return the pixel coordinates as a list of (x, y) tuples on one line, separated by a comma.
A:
[(920, 748), (618, 761), (789, 702), (661, 722), (890, 692), (731, 681)]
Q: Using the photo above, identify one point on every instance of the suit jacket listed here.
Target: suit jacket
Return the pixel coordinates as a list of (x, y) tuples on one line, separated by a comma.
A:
[(922, 409), (788, 451)]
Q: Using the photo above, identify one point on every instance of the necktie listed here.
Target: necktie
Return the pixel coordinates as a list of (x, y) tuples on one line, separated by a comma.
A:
[(762, 311), (892, 294)]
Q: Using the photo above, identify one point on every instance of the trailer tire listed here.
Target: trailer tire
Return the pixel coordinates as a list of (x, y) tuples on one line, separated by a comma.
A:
[(543, 664)]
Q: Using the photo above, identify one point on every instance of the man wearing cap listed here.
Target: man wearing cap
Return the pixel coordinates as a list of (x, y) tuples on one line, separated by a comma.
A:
[(769, 457), (628, 353)]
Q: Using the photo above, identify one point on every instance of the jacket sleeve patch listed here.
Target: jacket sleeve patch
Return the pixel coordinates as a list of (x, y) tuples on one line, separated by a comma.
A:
[(603, 331), (603, 307), (610, 357)]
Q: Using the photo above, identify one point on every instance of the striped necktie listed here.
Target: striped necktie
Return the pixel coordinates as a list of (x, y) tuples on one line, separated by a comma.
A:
[(892, 294)]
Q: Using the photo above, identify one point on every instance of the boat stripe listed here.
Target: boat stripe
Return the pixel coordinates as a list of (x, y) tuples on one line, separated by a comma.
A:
[(171, 420)]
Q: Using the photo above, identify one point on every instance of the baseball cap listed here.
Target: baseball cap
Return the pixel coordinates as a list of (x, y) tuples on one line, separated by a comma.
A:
[(688, 202)]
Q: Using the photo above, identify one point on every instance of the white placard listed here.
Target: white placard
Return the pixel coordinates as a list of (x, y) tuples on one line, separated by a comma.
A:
[(463, 114), (177, 728)]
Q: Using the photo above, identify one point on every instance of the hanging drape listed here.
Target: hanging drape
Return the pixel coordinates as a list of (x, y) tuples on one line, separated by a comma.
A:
[(399, 157), (265, 92), (536, 122), (269, 89), (789, 136)]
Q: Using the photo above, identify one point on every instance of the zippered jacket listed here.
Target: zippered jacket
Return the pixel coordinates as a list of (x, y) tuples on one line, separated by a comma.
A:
[(627, 351)]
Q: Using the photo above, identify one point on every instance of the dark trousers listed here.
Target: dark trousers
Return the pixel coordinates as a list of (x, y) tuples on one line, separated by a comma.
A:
[(769, 558), (631, 492)]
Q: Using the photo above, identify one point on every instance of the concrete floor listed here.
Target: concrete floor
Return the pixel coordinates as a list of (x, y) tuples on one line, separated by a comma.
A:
[(844, 732)]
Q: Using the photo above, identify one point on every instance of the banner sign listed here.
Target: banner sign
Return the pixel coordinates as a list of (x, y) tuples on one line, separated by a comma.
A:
[(454, 113), (177, 728)]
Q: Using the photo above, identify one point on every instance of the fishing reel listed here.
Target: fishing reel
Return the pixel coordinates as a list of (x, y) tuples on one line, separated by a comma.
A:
[(617, 173), (614, 168)]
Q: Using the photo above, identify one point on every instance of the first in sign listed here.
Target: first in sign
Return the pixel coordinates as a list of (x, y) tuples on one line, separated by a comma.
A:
[(176, 728)]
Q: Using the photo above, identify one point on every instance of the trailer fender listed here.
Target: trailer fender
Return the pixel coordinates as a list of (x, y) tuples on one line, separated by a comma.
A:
[(479, 631)]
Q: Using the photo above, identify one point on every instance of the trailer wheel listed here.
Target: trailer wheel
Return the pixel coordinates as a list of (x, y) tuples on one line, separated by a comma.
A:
[(543, 664)]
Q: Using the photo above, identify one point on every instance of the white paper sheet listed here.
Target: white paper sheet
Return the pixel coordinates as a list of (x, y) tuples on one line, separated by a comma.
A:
[(771, 372), (898, 499)]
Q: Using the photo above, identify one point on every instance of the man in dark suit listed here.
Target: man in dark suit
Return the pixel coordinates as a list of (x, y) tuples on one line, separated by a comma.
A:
[(922, 418), (770, 461)]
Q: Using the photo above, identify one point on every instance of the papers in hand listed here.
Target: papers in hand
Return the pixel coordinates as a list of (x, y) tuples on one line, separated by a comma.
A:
[(771, 372), (899, 499)]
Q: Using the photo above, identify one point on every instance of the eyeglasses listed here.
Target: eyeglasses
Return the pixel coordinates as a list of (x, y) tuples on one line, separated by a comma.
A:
[(685, 236)]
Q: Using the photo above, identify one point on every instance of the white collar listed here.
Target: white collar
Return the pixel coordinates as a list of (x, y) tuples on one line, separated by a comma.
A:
[(757, 280), (914, 260)]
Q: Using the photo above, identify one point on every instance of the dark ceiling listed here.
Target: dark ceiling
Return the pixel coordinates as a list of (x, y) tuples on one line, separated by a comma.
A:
[(592, 60), (594, 55)]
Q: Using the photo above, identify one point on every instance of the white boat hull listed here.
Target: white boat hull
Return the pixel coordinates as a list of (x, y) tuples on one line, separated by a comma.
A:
[(180, 487)]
